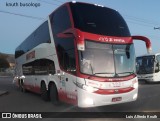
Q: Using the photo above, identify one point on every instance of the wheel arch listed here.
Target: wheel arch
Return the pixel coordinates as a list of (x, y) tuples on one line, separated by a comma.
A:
[(52, 82)]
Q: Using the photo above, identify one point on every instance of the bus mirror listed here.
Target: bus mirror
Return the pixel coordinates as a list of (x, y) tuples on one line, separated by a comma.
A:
[(146, 40), (68, 33), (65, 35), (157, 67)]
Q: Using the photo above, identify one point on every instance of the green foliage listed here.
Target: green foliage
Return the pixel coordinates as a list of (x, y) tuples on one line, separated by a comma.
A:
[(3, 61)]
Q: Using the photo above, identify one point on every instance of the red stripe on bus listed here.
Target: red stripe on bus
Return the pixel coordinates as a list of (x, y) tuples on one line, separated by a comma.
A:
[(114, 91)]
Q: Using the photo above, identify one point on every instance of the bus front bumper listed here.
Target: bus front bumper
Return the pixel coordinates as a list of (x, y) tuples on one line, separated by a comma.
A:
[(87, 99)]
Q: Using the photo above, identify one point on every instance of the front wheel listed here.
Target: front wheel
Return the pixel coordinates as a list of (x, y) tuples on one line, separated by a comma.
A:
[(54, 94)]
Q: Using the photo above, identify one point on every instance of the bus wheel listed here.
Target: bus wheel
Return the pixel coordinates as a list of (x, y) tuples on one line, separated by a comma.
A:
[(53, 94), (21, 86), (44, 92)]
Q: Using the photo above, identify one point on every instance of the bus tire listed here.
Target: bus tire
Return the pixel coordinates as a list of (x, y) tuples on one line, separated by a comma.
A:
[(44, 92), (54, 94), (21, 86)]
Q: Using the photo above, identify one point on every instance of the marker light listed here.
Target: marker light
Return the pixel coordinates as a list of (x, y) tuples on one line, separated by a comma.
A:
[(73, 1), (22, 77), (86, 87), (135, 96), (98, 5), (135, 85), (88, 101), (89, 88)]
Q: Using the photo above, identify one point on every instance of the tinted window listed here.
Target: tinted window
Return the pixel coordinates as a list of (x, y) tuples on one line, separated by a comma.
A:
[(64, 45), (66, 54), (39, 36), (98, 20), (28, 69), (61, 20), (145, 64), (39, 67)]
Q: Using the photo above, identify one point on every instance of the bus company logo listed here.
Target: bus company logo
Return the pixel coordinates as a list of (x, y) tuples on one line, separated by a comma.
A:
[(116, 91), (30, 55), (112, 40), (6, 115), (22, 116), (105, 39)]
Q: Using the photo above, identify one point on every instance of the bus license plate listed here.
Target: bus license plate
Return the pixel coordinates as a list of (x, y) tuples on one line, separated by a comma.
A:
[(116, 99), (117, 84)]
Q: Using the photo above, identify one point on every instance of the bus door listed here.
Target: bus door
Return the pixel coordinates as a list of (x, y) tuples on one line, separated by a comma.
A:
[(70, 87), (67, 86), (67, 60)]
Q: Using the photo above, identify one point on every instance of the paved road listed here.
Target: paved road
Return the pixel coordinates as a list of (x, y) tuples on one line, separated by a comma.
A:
[(16, 101)]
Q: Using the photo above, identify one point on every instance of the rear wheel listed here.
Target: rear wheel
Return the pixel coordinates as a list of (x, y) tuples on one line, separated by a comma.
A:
[(44, 92), (21, 86), (54, 94)]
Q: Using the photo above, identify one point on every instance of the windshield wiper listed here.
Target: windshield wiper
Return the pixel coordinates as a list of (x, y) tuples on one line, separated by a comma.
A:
[(103, 73), (125, 73), (99, 73)]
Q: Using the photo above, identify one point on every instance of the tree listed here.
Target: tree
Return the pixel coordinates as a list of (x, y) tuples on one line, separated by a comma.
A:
[(4, 63)]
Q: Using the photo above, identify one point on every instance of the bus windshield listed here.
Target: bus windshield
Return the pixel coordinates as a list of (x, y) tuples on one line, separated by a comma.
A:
[(107, 60), (98, 20), (145, 64)]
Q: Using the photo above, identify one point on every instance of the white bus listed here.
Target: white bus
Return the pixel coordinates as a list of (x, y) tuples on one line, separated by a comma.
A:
[(148, 67), (83, 55)]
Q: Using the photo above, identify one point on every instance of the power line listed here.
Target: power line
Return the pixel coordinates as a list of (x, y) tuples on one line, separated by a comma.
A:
[(140, 21), (48, 2), (22, 15), (136, 22), (58, 1), (145, 21)]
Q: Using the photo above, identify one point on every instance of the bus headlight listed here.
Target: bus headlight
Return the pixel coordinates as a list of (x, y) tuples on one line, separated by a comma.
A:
[(89, 88), (86, 87), (88, 101), (135, 96), (135, 85), (22, 77)]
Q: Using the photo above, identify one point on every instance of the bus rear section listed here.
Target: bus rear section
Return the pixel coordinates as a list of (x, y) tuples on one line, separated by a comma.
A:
[(148, 68), (93, 56)]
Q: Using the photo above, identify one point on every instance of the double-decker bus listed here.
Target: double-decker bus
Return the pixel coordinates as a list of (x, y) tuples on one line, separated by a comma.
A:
[(83, 55), (148, 67)]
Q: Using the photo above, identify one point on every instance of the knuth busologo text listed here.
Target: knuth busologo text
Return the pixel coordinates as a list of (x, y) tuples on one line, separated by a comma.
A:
[(20, 4)]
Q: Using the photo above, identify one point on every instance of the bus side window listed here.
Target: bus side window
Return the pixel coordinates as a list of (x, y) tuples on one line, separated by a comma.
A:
[(51, 67), (69, 61), (44, 67), (64, 45), (60, 21), (39, 67), (28, 69)]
